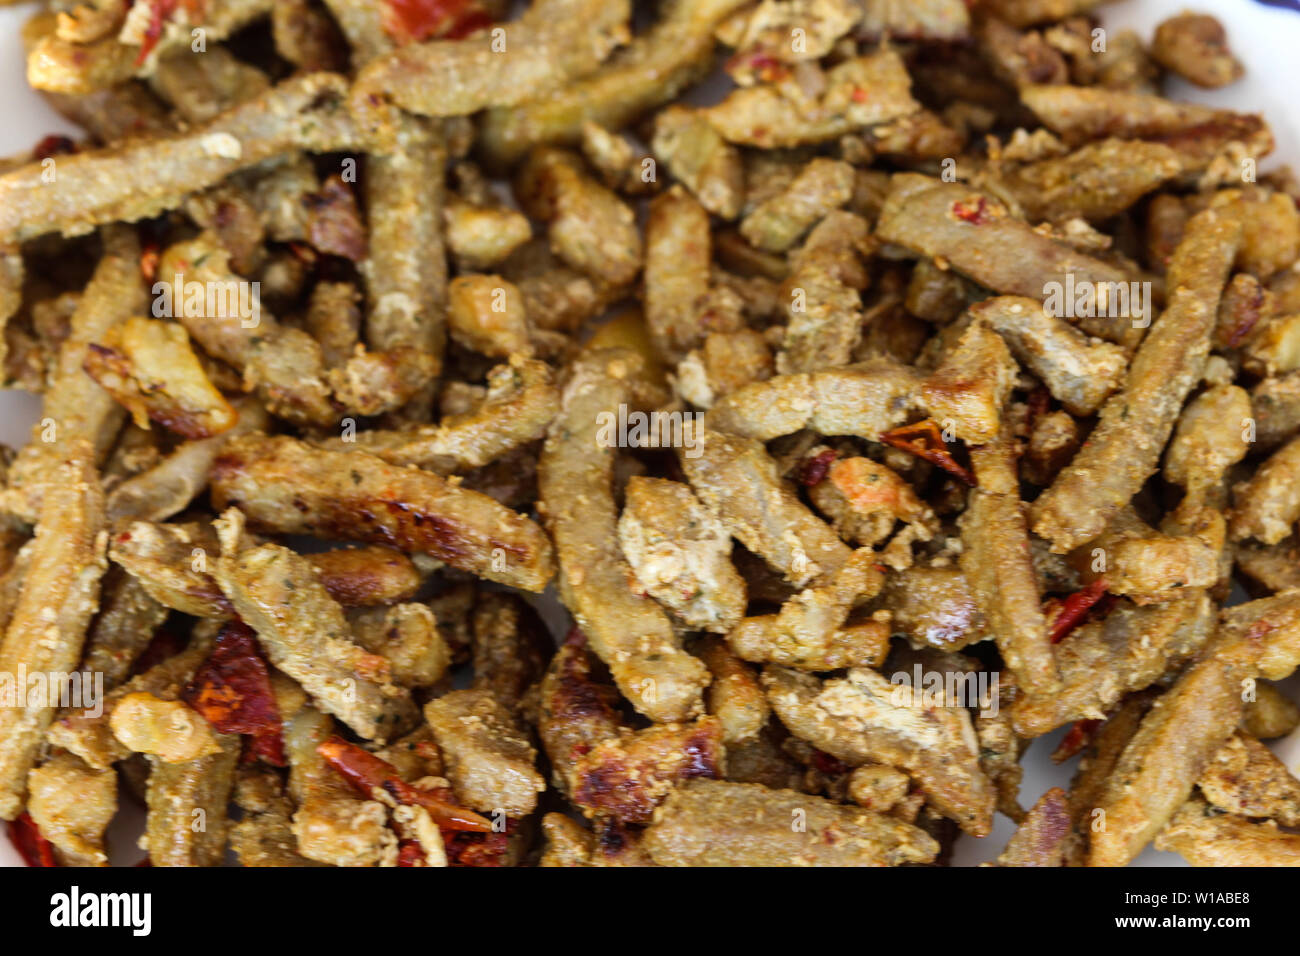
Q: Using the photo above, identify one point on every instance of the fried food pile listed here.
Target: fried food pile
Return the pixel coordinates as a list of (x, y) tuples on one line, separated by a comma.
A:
[(917, 386)]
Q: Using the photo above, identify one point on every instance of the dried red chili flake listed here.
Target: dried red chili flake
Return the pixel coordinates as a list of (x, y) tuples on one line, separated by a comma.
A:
[(149, 257), (971, 213), (1076, 738), (409, 21), (232, 690), (53, 145), (366, 772), (815, 469), (26, 837), (159, 12), (410, 853), (478, 849), (1066, 615), (924, 439)]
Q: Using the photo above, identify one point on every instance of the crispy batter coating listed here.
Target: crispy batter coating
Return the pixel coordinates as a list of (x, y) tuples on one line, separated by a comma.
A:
[(630, 633)]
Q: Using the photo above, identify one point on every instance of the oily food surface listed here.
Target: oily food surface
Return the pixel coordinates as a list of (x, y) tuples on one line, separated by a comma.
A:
[(925, 392)]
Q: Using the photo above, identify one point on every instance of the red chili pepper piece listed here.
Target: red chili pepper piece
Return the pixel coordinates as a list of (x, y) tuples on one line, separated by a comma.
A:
[(159, 11), (1076, 738), (410, 853), (478, 849), (232, 690), (1075, 608), (924, 439), (53, 145), (366, 772), (409, 21), (26, 837), (814, 470), (971, 214)]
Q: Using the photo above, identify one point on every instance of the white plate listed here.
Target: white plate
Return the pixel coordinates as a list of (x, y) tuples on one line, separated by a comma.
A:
[(1264, 37)]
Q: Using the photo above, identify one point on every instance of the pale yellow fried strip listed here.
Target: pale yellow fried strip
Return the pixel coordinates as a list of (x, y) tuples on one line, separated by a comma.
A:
[(74, 407), (147, 176), (1124, 450), (652, 70), (631, 634), (48, 627)]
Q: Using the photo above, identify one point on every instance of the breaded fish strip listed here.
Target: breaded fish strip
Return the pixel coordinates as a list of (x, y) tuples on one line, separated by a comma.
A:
[(149, 367), (73, 404), (863, 718), (680, 554), (1189, 723), (697, 155), (1268, 504), (589, 226), (63, 64), (122, 628), (997, 563), (264, 834), (933, 607), (187, 823), (47, 629), (1203, 836), (510, 647), (488, 760), (91, 738), (1209, 439), (735, 697), (678, 252), (811, 632), (1271, 714), (1132, 648), (405, 268), (521, 402), (968, 391), (1096, 182), (625, 777), (1245, 778), (283, 363), (1080, 372), (631, 634), (145, 177), (169, 487), (653, 69), (72, 805), (1124, 449), (288, 487), (1197, 134), (712, 823), (1042, 836), (738, 481), (553, 42), (305, 634), (407, 637), (766, 116), (977, 236), (861, 400), (777, 223), (575, 711)]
